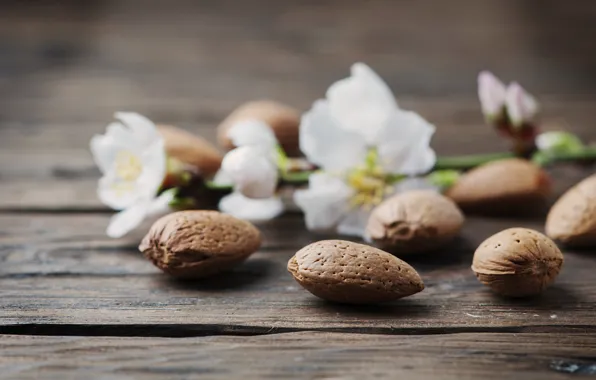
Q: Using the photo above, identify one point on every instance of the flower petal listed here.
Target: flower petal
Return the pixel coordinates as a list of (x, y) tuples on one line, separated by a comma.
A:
[(325, 202), (521, 106), (153, 160), (491, 92), (161, 205), (245, 208), (115, 193), (361, 102), (222, 178), (252, 132), (354, 223), (144, 130), (404, 144), (328, 145), (127, 220), (105, 148), (252, 170), (119, 133)]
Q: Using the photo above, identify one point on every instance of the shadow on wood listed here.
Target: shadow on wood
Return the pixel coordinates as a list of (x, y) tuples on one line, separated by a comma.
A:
[(246, 274)]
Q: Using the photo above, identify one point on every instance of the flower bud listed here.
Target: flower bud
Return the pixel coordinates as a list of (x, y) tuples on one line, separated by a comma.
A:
[(491, 92), (521, 106), (252, 171), (251, 132)]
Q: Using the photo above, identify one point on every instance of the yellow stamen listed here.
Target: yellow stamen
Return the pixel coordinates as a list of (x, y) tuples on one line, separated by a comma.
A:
[(128, 166), (370, 184), (121, 188)]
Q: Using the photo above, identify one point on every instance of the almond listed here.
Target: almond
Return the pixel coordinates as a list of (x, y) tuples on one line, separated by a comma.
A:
[(414, 221), (191, 149), (346, 272), (572, 219), (194, 244), (517, 262), (283, 120), (502, 187)]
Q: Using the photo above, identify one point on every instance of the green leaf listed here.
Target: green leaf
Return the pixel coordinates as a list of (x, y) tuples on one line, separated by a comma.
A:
[(218, 186), (443, 179)]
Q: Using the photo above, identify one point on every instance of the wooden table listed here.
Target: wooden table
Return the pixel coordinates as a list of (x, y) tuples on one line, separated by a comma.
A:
[(74, 303)]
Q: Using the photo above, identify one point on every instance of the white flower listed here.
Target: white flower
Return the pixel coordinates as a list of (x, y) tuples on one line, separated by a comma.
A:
[(521, 106), (364, 145), (252, 169), (132, 159), (491, 92)]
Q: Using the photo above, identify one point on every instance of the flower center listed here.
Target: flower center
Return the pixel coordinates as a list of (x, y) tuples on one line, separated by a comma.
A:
[(128, 166), (370, 183)]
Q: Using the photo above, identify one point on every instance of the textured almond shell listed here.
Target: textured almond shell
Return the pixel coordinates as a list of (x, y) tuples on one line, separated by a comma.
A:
[(346, 272), (572, 219), (517, 262), (501, 186), (191, 149), (283, 120), (414, 221), (194, 244)]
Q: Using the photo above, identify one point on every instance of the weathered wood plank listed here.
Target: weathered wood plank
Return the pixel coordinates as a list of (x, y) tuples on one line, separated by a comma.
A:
[(278, 40), (303, 355), (61, 270)]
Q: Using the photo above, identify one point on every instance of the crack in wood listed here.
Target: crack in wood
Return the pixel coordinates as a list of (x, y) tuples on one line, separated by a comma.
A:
[(201, 330)]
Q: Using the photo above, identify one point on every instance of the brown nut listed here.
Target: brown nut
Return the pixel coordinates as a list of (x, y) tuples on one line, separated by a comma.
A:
[(517, 262), (191, 149), (194, 244), (346, 272), (283, 120), (572, 219), (509, 187), (414, 221)]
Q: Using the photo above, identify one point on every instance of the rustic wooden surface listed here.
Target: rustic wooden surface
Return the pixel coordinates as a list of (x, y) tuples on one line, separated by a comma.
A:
[(75, 303), (304, 355)]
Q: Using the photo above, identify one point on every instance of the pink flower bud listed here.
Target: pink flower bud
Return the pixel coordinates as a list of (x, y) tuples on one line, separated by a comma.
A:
[(521, 106), (491, 92)]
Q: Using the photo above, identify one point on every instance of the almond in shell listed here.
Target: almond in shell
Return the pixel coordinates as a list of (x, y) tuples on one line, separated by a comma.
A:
[(572, 219), (191, 149), (195, 244), (347, 272), (414, 221), (508, 187), (517, 262)]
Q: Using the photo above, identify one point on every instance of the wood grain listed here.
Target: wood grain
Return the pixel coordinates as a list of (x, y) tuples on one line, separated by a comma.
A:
[(60, 270), (304, 355)]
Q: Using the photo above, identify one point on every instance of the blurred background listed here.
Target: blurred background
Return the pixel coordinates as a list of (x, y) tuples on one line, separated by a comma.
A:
[(67, 66)]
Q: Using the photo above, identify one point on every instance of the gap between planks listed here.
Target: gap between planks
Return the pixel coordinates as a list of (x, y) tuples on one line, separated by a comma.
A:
[(201, 330)]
